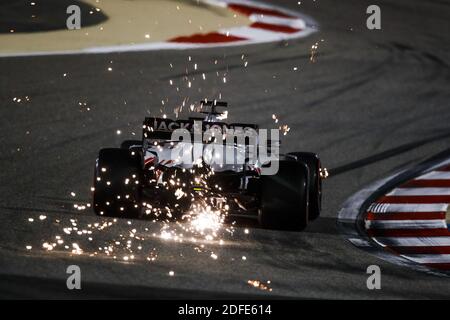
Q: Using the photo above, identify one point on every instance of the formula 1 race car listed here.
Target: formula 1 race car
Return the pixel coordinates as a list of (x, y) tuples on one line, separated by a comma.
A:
[(161, 174)]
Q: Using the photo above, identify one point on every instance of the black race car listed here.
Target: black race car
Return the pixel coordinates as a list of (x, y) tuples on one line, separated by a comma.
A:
[(149, 177)]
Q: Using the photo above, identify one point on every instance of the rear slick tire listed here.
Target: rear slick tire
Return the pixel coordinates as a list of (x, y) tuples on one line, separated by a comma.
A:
[(284, 197), (315, 181)]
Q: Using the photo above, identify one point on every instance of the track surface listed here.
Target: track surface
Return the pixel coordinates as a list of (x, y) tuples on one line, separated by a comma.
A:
[(373, 101)]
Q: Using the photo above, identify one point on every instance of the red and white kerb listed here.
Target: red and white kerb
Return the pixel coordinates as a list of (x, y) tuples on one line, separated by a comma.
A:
[(412, 220), (268, 24)]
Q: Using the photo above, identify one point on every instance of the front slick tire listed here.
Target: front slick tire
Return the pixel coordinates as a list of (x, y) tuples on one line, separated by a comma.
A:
[(117, 184), (284, 197)]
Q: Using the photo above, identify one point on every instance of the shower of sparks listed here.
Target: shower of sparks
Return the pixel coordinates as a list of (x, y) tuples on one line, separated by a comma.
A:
[(314, 49), (275, 119), (205, 220), (323, 173), (285, 129), (21, 99), (203, 226), (260, 285), (223, 116)]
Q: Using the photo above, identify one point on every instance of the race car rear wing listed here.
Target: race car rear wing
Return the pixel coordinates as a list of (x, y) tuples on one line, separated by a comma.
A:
[(161, 128)]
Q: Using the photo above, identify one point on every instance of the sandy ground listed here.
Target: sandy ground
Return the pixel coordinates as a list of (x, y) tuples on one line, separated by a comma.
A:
[(130, 22)]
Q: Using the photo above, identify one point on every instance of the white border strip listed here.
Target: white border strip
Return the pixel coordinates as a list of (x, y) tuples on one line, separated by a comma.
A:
[(310, 27)]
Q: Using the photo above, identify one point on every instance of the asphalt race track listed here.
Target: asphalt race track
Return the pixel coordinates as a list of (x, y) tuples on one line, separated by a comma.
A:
[(372, 102)]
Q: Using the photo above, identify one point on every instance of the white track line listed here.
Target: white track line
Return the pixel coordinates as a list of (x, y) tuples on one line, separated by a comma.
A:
[(405, 224), (255, 34), (420, 192), (288, 22), (428, 258), (408, 207), (435, 175), (413, 241)]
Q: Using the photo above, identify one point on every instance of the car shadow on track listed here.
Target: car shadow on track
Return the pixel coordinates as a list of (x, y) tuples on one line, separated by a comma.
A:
[(322, 225)]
